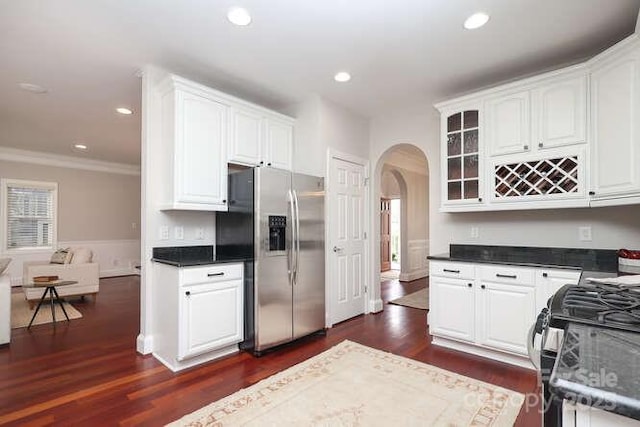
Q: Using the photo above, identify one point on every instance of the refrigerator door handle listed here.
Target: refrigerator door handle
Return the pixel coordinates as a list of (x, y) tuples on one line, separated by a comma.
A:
[(291, 250), (296, 241)]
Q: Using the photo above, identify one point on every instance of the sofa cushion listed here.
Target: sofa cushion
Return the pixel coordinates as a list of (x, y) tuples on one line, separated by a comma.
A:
[(81, 256), (4, 263), (61, 256)]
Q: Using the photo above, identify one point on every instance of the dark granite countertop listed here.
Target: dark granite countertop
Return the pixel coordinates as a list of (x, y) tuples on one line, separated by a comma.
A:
[(599, 367), (591, 260), (190, 256)]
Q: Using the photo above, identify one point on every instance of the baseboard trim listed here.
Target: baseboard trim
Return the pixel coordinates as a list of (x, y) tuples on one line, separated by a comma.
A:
[(197, 360), (495, 355), (144, 344), (413, 275), (118, 272), (375, 306)]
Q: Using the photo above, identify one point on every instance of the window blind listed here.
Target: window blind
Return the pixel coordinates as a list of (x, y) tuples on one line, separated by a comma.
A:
[(30, 216)]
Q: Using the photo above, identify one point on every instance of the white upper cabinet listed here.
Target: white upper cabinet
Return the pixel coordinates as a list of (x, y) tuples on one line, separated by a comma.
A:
[(615, 109), (247, 136), (279, 143), (561, 112), (260, 138), (194, 133), (508, 123)]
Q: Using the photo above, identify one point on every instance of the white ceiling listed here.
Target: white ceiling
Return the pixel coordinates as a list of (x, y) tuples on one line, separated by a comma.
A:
[(86, 53)]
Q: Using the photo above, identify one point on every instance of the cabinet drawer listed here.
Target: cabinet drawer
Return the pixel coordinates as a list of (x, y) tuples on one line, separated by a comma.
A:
[(211, 273), (452, 269), (517, 275)]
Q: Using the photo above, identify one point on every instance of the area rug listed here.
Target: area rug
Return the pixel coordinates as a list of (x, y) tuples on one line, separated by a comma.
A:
[(21, 314), (419, 299), (354, 385), (390, 275)]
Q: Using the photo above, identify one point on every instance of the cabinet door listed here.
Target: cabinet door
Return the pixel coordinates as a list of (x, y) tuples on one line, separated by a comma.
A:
[(548, 281), (587, 416), (452, 308), (279, 144), (461, 157), (562, 113), (246, 139), (507, 127), (201, 161), (211, 317), (505, 313), (615, 107)]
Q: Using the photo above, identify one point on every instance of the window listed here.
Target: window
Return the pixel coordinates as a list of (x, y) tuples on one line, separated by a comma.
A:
[(29, 219)]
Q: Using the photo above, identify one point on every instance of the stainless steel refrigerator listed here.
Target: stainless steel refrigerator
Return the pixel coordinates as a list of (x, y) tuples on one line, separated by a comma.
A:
[(277, 217)]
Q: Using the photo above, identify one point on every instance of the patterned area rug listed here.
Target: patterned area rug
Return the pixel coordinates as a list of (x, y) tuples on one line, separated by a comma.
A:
[(21, 313), (354, 385), (418, 299)]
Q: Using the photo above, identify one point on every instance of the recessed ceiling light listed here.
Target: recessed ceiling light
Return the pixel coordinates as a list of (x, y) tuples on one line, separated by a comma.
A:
[(476, 20), (30, 87), (123, 110), (80, 146), (342, 77), (239, 16)]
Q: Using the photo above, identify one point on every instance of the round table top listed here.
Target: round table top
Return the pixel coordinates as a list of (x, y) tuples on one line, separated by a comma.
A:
[(52, 283)]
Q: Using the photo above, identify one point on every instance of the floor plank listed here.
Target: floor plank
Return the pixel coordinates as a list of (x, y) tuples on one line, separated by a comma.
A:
[(87, 372)]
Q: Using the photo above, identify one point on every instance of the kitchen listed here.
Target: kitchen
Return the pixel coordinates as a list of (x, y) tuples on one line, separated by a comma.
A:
[(328, 126)]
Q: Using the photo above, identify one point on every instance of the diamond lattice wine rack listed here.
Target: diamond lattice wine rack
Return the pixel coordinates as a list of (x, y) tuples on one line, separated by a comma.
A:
[(537, 178)]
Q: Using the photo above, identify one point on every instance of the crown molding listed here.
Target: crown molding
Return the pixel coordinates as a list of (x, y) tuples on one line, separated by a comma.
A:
[(57, 160)]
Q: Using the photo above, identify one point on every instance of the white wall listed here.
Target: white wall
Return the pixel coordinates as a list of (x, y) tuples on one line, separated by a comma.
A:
[(322, 124)]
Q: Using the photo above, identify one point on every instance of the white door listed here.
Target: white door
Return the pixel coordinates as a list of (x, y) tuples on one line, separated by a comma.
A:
[(346, 241), (246, 137), (562, 113), (507, 127), (211, 317), (201, 150), (615, 108), (505, 313), (279, 144), (452, 308)]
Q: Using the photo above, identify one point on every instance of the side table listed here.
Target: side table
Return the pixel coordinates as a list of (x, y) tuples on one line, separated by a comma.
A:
[(50, 289)]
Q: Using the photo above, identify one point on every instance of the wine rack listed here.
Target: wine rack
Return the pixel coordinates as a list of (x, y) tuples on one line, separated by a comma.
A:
[(544, 177)]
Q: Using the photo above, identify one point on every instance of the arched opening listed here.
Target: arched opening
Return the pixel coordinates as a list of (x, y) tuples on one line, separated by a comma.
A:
[(402, 173)]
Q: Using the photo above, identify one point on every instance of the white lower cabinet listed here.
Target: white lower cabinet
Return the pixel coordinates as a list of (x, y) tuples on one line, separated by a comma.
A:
[(210, 317), (198, 313), (488, 309), (505, 313), (452, 306)]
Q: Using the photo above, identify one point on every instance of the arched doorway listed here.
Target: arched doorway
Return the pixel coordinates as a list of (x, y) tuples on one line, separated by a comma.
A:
[(407, 165)]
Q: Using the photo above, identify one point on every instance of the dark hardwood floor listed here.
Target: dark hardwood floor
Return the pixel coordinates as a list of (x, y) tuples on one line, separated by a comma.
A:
[(87, 372)]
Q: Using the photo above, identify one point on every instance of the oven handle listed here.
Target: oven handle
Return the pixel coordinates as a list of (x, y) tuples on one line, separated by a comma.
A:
[(534, 355)]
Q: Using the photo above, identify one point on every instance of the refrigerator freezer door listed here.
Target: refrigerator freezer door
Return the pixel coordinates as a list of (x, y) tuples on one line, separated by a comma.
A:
[(309, 284), (273, 303)]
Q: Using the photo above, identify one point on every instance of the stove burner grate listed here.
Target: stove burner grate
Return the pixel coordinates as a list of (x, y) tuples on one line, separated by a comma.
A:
[(607, 305)]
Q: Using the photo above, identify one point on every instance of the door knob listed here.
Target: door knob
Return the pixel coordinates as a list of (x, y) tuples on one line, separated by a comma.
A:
[(336, 249)]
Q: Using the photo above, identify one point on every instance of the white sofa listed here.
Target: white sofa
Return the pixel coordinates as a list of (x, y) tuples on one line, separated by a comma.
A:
[(86, 274), (5, 309)]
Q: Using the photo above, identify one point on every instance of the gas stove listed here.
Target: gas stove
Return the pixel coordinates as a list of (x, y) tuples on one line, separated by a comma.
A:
[(602, 305)]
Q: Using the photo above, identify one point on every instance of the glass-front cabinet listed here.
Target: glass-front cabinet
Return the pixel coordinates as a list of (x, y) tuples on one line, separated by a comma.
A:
[(461, 157)]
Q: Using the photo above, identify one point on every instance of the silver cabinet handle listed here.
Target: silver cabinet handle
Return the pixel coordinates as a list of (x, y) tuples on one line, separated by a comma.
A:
[(336, 249)]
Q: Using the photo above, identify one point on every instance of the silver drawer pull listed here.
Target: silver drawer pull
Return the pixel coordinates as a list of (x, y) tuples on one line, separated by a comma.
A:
[(215, 274), (507, 276), (451, 271)]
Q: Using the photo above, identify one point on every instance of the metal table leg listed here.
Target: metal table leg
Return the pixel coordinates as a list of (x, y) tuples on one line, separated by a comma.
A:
[(61, 304), (44, 295), (53, 305)]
